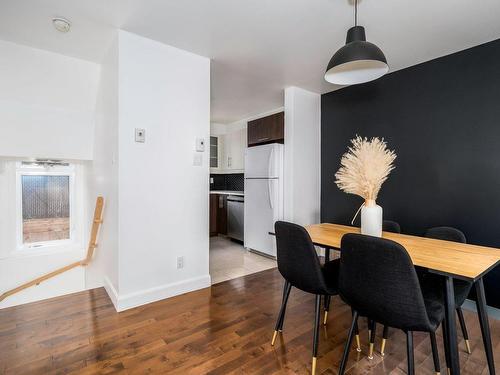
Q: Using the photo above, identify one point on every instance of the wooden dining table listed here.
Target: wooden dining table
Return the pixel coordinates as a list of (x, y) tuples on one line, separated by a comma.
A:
[(452, 260)]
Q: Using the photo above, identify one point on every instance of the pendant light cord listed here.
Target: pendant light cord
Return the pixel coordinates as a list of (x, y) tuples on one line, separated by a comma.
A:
[(355, 12)]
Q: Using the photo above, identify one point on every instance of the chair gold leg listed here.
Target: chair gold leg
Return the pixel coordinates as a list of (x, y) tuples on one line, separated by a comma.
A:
[(274, 337), (438, 373), (382, 347), (370, 353), (448, 369), (467, 344), (313, 371), (325, 318), (358, 344), (369, 334)]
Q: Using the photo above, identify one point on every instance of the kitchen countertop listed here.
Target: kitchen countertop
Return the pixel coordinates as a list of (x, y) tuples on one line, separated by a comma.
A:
[(228, 192)]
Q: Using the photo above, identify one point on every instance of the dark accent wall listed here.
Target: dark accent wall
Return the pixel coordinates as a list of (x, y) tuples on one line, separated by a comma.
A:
[(442, 118)]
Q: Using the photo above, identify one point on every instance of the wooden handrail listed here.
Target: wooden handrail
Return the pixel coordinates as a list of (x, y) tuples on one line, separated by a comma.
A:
[(96, 223)]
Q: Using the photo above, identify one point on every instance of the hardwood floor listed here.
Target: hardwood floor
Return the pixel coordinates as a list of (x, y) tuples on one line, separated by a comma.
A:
[(221, 330)]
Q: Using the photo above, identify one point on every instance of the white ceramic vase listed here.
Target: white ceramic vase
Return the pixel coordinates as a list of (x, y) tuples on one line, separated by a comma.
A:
[(371, 219)]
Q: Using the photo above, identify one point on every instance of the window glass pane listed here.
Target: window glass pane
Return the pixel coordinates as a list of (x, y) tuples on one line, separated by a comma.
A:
[(45, 204)]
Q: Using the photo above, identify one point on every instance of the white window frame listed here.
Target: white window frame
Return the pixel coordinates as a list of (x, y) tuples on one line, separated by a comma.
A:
[(55, 170)]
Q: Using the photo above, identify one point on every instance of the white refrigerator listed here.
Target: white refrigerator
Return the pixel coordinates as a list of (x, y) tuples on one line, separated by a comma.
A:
[(263, 196)]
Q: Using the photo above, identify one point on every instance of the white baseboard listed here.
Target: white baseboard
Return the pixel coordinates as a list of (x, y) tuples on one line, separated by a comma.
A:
[(130, 300), (112, 293)]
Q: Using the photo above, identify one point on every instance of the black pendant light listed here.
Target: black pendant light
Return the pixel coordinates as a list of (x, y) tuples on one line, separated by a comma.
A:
[(358, 61)]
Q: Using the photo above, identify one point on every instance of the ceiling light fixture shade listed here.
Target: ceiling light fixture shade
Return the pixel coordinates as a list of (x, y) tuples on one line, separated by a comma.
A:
[(358, 61)]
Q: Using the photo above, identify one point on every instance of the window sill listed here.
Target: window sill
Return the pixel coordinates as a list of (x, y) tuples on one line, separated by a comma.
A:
[(45, 250)]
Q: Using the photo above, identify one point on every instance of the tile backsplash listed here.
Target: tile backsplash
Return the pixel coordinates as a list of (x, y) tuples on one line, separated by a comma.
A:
[(235, 181), (230, 181), (219, 181)]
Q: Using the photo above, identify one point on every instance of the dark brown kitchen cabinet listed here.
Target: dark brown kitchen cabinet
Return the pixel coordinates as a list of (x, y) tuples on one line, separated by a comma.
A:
[(214, 207), (269, 129), (222, 214), (218, 214)]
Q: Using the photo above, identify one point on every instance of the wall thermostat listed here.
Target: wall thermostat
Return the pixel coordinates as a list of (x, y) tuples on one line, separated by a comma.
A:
[(200, 144), (140, 135)]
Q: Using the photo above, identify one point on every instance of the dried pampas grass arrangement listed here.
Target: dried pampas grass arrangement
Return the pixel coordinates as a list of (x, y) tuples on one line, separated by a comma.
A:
[(365, 167)]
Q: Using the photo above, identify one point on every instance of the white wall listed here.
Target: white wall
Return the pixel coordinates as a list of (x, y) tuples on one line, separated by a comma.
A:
[(47, 104), (47, 110), (302, 156), (103, 173), (218, 129), (156, 199), (20, 266), (162, 197)]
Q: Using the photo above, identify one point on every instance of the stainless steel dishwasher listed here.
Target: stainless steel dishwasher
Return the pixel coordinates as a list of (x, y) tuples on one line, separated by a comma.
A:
[(235, 216)]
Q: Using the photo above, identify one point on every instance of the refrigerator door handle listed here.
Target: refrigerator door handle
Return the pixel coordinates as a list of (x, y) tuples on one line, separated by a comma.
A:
[(270, 163), (270, 192)]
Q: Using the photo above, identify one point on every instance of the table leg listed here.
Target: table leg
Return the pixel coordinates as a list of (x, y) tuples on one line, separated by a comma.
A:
[(446, 346), (451, 328), (485, 326), (327, 254)]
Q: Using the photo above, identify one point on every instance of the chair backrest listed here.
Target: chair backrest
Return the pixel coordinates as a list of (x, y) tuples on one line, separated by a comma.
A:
[(391, 226), (455, 235), (297, 258), (378, 279), (447, 234)]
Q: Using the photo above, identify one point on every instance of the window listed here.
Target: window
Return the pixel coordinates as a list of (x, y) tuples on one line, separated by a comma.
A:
[(45, 192), (214, 152)]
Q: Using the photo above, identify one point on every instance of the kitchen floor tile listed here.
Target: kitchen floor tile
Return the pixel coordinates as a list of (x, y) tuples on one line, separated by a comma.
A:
[(218, 276), (229, 260)]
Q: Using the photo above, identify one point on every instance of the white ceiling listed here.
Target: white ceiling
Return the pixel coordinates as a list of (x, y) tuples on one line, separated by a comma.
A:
[(258, 47)]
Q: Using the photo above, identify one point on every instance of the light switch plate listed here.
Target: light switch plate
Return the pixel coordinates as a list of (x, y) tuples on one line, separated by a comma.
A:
[(200, 144), (140, 135), (197, 160)]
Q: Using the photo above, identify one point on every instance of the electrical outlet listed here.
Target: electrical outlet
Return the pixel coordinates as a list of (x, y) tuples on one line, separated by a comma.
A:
[(180, 262)]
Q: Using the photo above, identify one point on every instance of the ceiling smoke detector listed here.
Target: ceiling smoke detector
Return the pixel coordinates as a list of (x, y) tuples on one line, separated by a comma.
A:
[(61, 24)]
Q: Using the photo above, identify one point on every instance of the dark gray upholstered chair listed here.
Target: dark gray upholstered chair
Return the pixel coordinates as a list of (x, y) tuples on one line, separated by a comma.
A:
[(299, 265), (378, 280), (461, 287), (393, 227), (446, 234)]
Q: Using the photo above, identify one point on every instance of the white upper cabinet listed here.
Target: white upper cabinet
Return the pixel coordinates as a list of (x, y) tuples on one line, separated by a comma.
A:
[(231, 151), (234, 150)]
